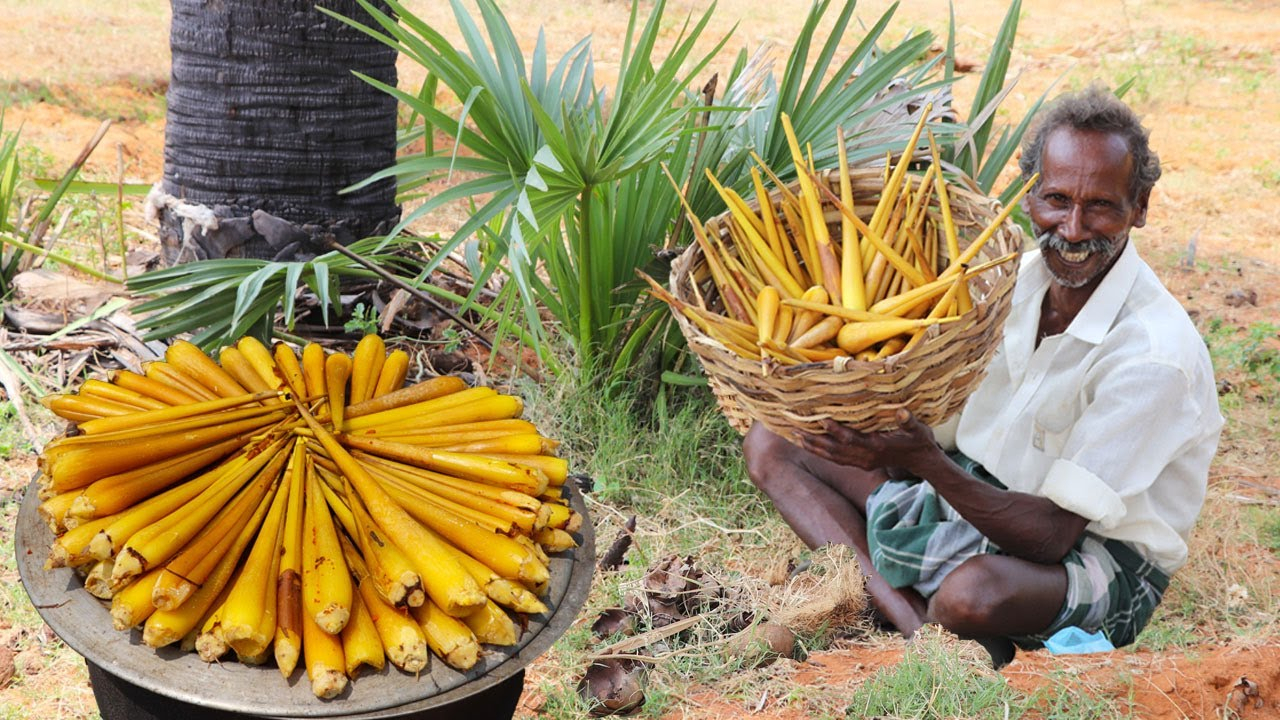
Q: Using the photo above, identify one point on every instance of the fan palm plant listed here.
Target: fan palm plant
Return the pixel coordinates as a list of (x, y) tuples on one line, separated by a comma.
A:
[(972, 152), (570, 180), (219, 300), (549, 146), (575, 174), (222, 299)]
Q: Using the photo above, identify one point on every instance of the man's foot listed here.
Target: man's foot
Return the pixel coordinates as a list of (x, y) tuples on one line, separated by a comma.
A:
[(893, 609), (879, 623), (1002, 650)]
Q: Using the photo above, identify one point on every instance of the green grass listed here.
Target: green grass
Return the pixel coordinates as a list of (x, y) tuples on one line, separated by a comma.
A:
[(27, 698), (559, 687), (15, 606), (1169, 64), (938, 679), (1248, 357), (35, 161), (1166, 632), (686, 462), (930, 683), (16, 444), (1267, 521), (1268, 173), (81, 230), (92, 219), (1062, 698), (1229, 587), (12, 438), (142, 99), (92, 227)]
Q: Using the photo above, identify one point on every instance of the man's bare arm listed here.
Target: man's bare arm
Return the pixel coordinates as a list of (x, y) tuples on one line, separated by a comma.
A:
[(1022, 525)]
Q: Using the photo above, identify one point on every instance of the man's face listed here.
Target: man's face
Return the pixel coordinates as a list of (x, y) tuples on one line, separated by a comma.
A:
[(1082, 211)]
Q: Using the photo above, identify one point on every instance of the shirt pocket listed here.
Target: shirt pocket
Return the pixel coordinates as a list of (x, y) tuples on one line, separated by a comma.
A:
[(1052, 425)]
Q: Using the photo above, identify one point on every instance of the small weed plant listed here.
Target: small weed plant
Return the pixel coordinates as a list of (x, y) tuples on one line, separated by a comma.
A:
[(939, 677), (686, 457), (1248, 356), (932, 681)]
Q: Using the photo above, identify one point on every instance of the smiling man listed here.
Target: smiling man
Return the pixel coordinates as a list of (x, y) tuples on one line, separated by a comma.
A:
[(1064, 492)]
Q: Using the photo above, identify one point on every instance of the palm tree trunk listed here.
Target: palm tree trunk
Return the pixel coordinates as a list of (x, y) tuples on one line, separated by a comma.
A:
[(266, 123)]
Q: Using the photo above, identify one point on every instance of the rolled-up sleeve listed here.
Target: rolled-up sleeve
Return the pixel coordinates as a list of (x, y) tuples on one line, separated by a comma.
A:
[(1074, 488), (1139, 417)]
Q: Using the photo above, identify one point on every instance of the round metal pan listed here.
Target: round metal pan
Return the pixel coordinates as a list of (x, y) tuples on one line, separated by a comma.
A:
[(84, 623)]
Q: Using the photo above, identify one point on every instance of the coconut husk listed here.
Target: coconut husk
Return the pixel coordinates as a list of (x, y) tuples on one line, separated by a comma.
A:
[(829, 595)]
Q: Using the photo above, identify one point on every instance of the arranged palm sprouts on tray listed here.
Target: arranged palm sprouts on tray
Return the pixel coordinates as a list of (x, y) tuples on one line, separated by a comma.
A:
[(306, 509)]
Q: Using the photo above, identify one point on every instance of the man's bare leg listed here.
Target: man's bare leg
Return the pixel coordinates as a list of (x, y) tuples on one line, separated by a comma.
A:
[(987, 598), (826, 503), (990, 597), (999, 595)]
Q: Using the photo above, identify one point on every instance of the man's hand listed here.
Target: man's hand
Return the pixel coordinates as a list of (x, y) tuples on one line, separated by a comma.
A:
[(892, 450)]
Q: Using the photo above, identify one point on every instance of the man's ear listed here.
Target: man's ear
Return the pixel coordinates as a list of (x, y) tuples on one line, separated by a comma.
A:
[(1140, 211)]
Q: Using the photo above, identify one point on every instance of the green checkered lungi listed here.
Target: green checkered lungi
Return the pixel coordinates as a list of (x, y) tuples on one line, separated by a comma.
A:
[(916, 538)]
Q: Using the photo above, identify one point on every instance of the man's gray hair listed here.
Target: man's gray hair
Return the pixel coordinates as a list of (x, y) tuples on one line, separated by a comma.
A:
[(1095, 108)]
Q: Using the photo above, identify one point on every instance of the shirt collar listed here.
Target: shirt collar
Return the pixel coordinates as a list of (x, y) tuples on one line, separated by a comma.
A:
[(1100, 310), (1033, 278)]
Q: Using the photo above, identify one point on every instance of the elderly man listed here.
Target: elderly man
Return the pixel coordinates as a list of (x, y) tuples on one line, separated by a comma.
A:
[(1072, 477)]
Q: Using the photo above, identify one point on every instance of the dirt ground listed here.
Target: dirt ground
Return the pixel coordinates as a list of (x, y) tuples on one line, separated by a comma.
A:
[(1205, 80), (1170, 687)]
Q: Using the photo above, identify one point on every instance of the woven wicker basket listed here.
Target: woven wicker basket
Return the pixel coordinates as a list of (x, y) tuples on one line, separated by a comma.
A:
[(932, 380)]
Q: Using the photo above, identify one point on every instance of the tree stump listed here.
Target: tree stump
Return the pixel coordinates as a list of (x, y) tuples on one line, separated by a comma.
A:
[(266, 124)]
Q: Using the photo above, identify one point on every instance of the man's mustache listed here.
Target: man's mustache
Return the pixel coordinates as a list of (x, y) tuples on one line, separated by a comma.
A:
[(1050, 240)]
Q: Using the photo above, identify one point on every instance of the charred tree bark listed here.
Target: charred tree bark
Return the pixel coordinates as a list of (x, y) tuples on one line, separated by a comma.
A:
[(266, 124)]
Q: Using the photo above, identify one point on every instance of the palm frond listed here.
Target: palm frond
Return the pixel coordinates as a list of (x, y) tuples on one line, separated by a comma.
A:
[(221, 300), (576, 199)]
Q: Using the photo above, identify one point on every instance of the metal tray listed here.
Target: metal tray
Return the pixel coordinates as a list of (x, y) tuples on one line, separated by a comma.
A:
[(84, 623)]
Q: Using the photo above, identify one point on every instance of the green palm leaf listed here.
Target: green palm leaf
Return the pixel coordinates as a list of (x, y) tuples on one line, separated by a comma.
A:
[(574, 196), (221, 300)]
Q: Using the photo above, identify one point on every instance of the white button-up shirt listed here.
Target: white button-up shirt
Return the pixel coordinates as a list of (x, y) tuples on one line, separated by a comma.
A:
[(1115, 420)]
